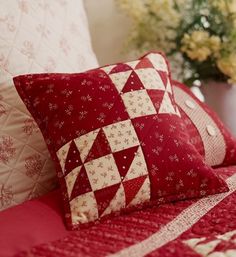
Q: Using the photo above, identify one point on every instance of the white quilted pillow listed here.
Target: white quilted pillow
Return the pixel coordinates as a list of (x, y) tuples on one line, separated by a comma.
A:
[(36, 36)]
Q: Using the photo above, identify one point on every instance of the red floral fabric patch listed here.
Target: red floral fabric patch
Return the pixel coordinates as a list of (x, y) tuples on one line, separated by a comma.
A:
[(117, 139), (209, 135)]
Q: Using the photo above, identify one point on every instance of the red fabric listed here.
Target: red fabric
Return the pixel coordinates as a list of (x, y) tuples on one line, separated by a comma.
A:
[(117, 139), (158, 231), (31, 223), (197, 140)]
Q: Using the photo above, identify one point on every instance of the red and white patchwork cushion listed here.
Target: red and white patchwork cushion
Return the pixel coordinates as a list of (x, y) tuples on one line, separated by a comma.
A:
[(116, 136), (209, 135)]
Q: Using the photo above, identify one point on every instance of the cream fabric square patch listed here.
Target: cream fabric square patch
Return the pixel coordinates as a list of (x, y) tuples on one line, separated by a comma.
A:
[(102, 172), (84, 208), (121, 135), (150, 79), (138, 104)]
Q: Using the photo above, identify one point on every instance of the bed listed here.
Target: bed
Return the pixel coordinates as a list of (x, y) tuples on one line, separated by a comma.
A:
[(32, 215), (201, 227)]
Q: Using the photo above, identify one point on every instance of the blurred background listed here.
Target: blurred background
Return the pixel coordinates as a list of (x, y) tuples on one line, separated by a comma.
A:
[(198, 36), (109, 29)]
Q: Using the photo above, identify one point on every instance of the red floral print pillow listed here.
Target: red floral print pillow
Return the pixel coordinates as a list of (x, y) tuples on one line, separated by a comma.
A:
[(117, 139), (209, 135)]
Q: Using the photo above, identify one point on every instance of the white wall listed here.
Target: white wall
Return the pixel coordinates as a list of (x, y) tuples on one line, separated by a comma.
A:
[(109, 28)]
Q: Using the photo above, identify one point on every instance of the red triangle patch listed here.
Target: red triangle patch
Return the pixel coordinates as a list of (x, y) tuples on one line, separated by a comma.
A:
[(164, 77), (133, 83), (144, 63), (124, 159), (73, 158), (120, 67), (104, 197), (132, 187), (156, 97), (99, 148), (82, 184)]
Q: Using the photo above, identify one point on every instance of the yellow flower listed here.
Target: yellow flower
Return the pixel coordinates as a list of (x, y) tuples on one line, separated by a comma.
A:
[(200, 54), (200, 36), (165, 10), (199, 45), (136, 9), (227, 66), (215, 44), (225, 6)]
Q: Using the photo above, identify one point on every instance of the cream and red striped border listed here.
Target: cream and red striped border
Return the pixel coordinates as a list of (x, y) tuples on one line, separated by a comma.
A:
[(214, 146), (178, 225)]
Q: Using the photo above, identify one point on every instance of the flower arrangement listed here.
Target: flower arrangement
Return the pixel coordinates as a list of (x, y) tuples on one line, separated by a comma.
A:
[(199, 34)]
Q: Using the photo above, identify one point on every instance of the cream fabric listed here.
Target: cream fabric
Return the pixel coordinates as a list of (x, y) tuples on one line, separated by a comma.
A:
[(35, 36)]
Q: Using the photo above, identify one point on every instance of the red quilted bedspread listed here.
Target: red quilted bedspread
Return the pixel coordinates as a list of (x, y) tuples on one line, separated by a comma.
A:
[(194, 228)]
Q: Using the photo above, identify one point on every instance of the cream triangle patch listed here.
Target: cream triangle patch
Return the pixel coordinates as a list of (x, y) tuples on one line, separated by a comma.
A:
[(133, 64), (166, 105), (117, 203), (158, 61), (138, 166), (85, 142), (62, 154), (143, 194), (108, 69), (119, 79), (71, 178)]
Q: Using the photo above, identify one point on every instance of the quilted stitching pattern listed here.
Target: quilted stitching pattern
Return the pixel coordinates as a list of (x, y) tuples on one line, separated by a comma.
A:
[(36, 36), (169, 230)]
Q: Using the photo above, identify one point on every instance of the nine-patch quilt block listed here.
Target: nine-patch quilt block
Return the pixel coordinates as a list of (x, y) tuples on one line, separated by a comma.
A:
[(117, 139)]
